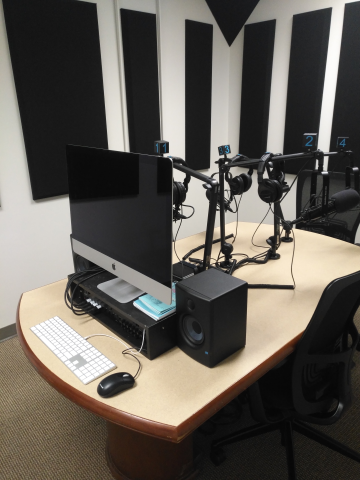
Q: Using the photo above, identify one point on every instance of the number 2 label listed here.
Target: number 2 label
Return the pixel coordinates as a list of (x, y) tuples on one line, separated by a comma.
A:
[(309, 143)]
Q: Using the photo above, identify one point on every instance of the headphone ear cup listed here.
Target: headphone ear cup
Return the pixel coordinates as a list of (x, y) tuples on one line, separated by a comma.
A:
[(270, 191), (237, 185), (179, 193), (247, 180)]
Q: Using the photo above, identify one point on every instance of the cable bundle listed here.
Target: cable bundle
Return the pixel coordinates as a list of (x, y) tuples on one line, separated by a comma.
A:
[(81, 307)]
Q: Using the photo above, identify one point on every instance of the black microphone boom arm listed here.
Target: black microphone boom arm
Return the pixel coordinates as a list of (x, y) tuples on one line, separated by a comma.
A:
[(213, 187)]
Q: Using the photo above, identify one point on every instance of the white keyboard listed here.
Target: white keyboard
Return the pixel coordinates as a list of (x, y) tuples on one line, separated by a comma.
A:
[(84, 360)]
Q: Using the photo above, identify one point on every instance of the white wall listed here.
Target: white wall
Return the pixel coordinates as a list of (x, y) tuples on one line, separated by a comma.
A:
[(34, 235)]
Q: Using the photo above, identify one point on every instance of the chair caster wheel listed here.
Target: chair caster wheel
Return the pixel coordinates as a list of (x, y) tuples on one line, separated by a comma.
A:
[(217, 456)]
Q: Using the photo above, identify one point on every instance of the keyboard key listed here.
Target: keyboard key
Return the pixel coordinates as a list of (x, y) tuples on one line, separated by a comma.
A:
[(65, 343)]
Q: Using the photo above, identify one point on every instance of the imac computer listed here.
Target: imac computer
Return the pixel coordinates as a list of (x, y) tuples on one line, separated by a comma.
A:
[(121, 207)]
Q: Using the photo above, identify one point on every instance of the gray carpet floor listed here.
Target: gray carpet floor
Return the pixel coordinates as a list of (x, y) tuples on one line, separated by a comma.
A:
[(44, 436)]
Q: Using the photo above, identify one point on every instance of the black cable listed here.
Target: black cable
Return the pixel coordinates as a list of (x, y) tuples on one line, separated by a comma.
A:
[(223, 256), (273, 287), (176, 238), (255, 259), (82, 307), (292, 230), (215, 261), (257, 228), (237, 215), (316, 198), (188, 206), (301, 169), (200, 247)]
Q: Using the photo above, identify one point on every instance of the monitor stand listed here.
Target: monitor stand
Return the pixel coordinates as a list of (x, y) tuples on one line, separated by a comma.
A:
[(119, 290)]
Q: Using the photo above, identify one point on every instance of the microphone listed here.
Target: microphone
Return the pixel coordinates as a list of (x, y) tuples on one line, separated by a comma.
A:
[(339, 202)]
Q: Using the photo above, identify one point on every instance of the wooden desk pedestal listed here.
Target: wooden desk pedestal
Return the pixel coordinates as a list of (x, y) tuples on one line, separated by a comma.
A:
[(132, 456)]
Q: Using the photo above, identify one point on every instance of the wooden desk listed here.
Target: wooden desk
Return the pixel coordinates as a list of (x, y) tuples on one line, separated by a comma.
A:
[(150, 425)]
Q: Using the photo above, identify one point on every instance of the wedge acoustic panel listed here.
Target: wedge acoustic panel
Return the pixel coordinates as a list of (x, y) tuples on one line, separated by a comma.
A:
[(141, 79), (309, 46), (231, 15), (346, 116), (55, 55), (198, 81), (256, 86)]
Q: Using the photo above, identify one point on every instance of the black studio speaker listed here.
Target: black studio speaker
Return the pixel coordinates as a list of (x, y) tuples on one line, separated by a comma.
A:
[(211, 308)]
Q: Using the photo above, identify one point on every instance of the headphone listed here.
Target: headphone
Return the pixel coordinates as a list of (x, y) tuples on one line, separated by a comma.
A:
[(179, 193), (179, 189), (239, 184), (270, 191), (227, 202)]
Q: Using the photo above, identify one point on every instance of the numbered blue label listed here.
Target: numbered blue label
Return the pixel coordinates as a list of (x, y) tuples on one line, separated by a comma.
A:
[(161, 146), (224, 149), (310, 141), (342, 143)]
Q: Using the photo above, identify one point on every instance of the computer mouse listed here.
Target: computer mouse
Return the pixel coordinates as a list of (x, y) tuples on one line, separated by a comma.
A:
[(115, 383)]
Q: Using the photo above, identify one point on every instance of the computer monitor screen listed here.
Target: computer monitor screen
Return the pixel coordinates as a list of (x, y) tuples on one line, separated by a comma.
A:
[(121, 208)]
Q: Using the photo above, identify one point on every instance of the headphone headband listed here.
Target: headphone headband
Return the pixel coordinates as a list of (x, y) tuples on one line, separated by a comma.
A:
[(183, 162), (262, 164)]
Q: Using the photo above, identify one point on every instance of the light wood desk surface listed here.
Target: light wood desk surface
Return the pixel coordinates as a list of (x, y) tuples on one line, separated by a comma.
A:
[(174, 394)]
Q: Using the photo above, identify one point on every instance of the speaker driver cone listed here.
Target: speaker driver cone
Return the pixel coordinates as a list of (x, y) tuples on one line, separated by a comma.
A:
[(193, 330)]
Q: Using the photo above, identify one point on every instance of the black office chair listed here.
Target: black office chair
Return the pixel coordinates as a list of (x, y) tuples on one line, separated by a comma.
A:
[(313, 384), (341, 225)]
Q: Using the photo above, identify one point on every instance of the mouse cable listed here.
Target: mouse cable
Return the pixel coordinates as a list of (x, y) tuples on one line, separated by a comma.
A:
[(128, 351)]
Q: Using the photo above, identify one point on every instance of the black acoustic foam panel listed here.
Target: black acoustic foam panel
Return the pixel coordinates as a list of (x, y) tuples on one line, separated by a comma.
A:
[(309, 46), (256, 86), (55, 54), (141, 79), (231, 15), (198, 82), (346, 117)]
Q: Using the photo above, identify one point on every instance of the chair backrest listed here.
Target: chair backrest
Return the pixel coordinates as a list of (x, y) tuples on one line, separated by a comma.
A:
[(341, 225), (321, 387)]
